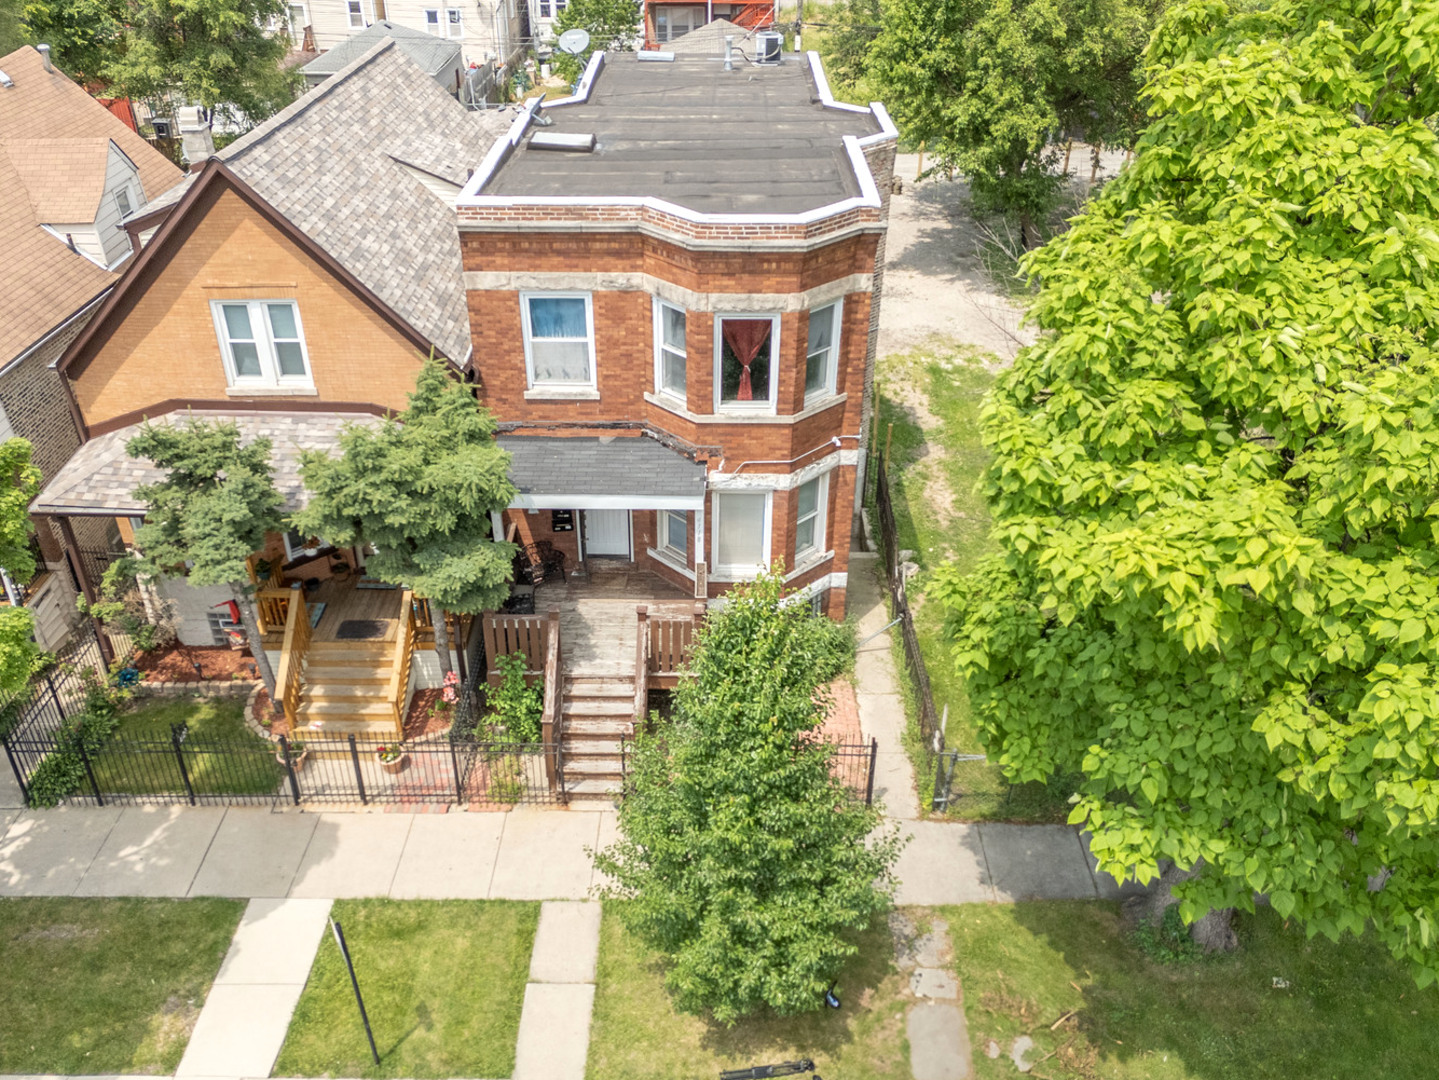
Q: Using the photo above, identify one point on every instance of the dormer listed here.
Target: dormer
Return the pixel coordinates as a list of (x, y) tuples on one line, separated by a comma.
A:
[(80, 189)]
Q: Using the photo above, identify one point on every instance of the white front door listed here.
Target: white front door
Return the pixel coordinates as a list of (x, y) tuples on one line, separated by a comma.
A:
[(607, 532)]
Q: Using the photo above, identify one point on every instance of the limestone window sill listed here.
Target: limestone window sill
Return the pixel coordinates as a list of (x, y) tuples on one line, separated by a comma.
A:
[(555, 394), (271, 391)]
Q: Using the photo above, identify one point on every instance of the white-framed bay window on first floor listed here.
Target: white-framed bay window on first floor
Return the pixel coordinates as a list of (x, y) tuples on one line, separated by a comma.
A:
[(559, 330), (674, 535), (263, 344), (821, 364), (670, 353), (746, 371), (741, 533), (811, 499)]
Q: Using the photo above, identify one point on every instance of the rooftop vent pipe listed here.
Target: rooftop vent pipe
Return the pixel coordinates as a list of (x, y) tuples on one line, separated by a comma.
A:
[(44, 51), (729, 52), (6, 81)]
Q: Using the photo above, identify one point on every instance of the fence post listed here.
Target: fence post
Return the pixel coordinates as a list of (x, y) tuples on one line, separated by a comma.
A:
[(939, 799), (180, 760), (290, 769), (89, 772), (869, 785), (59, 707), (15, 767), (359, 776)]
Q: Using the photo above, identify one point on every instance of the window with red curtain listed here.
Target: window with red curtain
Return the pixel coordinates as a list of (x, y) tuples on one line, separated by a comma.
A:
[(746, 361)]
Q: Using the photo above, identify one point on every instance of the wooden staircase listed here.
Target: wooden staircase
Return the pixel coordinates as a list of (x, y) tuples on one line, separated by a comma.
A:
[(345, 688), (598, 713)]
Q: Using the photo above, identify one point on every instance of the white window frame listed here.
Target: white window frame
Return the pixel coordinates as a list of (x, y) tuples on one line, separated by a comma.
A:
[(454, 28), (292, 553), (559, 388), (437, 27), (820, 514), (757, 406), (355, 9), (269, 377), (123, 202), (728, 572), (832, 360), (682, 554), (661, 348)]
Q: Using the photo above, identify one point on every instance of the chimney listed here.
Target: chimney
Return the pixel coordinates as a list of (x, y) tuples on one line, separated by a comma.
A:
[(44, 51), (197, 143), (729, 52)]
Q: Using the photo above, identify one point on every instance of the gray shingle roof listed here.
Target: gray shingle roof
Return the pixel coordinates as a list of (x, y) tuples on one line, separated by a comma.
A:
[(623, 466), (331, 164), (101, 478), (430, 53)]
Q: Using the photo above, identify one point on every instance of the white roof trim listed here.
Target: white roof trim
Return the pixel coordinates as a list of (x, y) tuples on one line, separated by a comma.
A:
[(869, 196), (607, 502)]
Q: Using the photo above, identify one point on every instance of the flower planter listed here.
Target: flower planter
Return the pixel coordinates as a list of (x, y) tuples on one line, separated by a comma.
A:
[(399, 765)]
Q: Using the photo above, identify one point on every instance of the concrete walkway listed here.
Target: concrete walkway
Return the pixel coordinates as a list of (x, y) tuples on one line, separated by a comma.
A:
[(881, 709), (554, 1039), (241, 1028)]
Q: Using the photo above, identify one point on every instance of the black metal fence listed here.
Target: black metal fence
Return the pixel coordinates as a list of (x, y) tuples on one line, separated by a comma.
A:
[(55, 693)]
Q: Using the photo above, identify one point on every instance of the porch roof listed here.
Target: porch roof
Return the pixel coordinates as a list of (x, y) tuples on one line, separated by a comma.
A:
[(604, 473), (100, 478)]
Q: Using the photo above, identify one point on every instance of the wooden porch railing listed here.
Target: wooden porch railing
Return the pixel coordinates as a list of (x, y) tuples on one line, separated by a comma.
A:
[(272, 608), (275, 580), (290, 680), (671, 638), (505, 634), (642, 665), (398, 690), (552, 719)]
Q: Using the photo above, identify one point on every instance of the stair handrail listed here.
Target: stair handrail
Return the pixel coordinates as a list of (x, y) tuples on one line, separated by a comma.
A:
[(400, 662), (290, 680), (552, 718), (272, 608), (642, 664)]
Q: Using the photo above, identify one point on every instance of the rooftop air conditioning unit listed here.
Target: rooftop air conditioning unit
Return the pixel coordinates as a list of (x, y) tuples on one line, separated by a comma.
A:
[(767, 47)]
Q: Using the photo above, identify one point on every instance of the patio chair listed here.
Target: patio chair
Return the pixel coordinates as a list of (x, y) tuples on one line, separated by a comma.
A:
[(540, 562)]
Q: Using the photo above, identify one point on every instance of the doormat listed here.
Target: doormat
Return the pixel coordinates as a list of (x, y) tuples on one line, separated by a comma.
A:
[(361, 629)]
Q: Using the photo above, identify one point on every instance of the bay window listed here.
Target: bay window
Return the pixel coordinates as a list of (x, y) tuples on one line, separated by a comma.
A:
[(559, 341), (745, 352), (675, 533), (262, 344), (822, 356), (810, 499), (741, 533), (670, 355)]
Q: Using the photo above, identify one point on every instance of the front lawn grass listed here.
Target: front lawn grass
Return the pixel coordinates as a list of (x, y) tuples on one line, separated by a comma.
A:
[(222, 755), (636, 1034), (106, 986), (443, 982), (1348, 1010)]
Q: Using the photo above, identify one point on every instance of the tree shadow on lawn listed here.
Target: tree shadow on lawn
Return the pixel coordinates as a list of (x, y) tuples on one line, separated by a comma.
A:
[(1341, 1009)]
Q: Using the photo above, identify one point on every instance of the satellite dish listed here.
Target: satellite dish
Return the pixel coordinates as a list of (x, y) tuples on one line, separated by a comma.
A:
[(574, 41)]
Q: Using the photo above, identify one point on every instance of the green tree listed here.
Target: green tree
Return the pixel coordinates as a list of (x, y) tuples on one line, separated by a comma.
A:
[(213, 53), (849, 33), (13, 32), (22, 484), (213, 510), (421, 490), (741, 857), (990, 86), (83, 35), (613, 26), (1214, 484)]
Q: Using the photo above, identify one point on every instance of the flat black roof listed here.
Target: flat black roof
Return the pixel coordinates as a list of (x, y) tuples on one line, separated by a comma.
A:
[(752, 140)]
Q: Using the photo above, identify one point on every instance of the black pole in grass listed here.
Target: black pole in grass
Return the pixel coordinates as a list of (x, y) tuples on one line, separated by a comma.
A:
[(354, 982)]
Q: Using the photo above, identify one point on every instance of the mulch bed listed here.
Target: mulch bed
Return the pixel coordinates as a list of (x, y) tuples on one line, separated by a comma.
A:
[(261, 712), (176, 663)]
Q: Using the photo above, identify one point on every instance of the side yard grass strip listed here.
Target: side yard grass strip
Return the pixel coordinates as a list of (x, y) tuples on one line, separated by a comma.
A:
[(444, 981), (106, 986), (636, 1034), (1280, 1007)]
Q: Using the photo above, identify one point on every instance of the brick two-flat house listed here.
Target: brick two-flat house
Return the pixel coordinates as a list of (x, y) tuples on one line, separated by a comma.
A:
[(69, 171), (673, 285), (294, 284)]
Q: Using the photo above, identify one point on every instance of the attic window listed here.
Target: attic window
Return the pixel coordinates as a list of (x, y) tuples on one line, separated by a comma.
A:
[(558, 140)]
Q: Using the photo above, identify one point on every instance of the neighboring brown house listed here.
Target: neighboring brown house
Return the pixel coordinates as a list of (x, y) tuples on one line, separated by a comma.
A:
[(69, 171), (296, 283), (673, 283)]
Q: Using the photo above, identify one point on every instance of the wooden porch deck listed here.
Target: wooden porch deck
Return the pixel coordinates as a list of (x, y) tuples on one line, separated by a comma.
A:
[(598, 624), (344, 602)]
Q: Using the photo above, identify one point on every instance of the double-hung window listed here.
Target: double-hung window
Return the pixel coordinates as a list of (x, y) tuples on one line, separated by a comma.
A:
[(745, 368), (454, 22), (122, 201), (822, 356), (670, 350), (741, 533), (357, 14), (675, 533), (296, 548), (263, 344), (810, 499), (559, 341)]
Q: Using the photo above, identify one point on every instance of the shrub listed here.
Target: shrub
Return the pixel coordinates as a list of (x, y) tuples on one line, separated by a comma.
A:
[(516, 706)]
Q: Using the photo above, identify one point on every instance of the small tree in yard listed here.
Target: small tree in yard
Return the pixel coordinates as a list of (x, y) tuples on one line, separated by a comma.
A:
[(421, 490), (21, 484), (1216, 486), (212, 510), (613, 26), (743, 860)]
